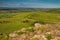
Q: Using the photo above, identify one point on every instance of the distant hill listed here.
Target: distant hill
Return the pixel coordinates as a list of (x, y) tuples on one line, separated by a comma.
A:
[(32, 9)]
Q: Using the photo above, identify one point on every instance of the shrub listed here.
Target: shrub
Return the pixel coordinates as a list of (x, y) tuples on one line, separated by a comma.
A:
[(19, 33), (49, 36)]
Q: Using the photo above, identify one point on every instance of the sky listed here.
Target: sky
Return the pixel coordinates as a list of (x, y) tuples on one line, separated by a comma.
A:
[(30, 3)]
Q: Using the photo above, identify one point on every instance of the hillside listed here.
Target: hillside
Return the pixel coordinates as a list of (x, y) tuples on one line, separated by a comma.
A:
[(12, 21)]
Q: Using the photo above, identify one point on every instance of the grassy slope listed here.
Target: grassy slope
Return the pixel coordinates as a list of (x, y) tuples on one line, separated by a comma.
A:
[(27, 19)]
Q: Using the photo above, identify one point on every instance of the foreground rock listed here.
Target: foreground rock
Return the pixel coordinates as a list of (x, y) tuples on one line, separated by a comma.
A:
[(39, 32)]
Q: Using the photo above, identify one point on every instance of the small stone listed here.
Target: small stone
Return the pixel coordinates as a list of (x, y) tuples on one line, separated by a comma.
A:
[(23, 29), (38, 25), (13, 35)]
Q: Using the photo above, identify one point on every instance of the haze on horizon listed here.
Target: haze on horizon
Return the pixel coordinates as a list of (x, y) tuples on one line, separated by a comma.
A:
[(30, 3)]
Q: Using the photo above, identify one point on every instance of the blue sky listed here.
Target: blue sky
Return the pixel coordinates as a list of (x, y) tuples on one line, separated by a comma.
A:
[(30, 3)]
